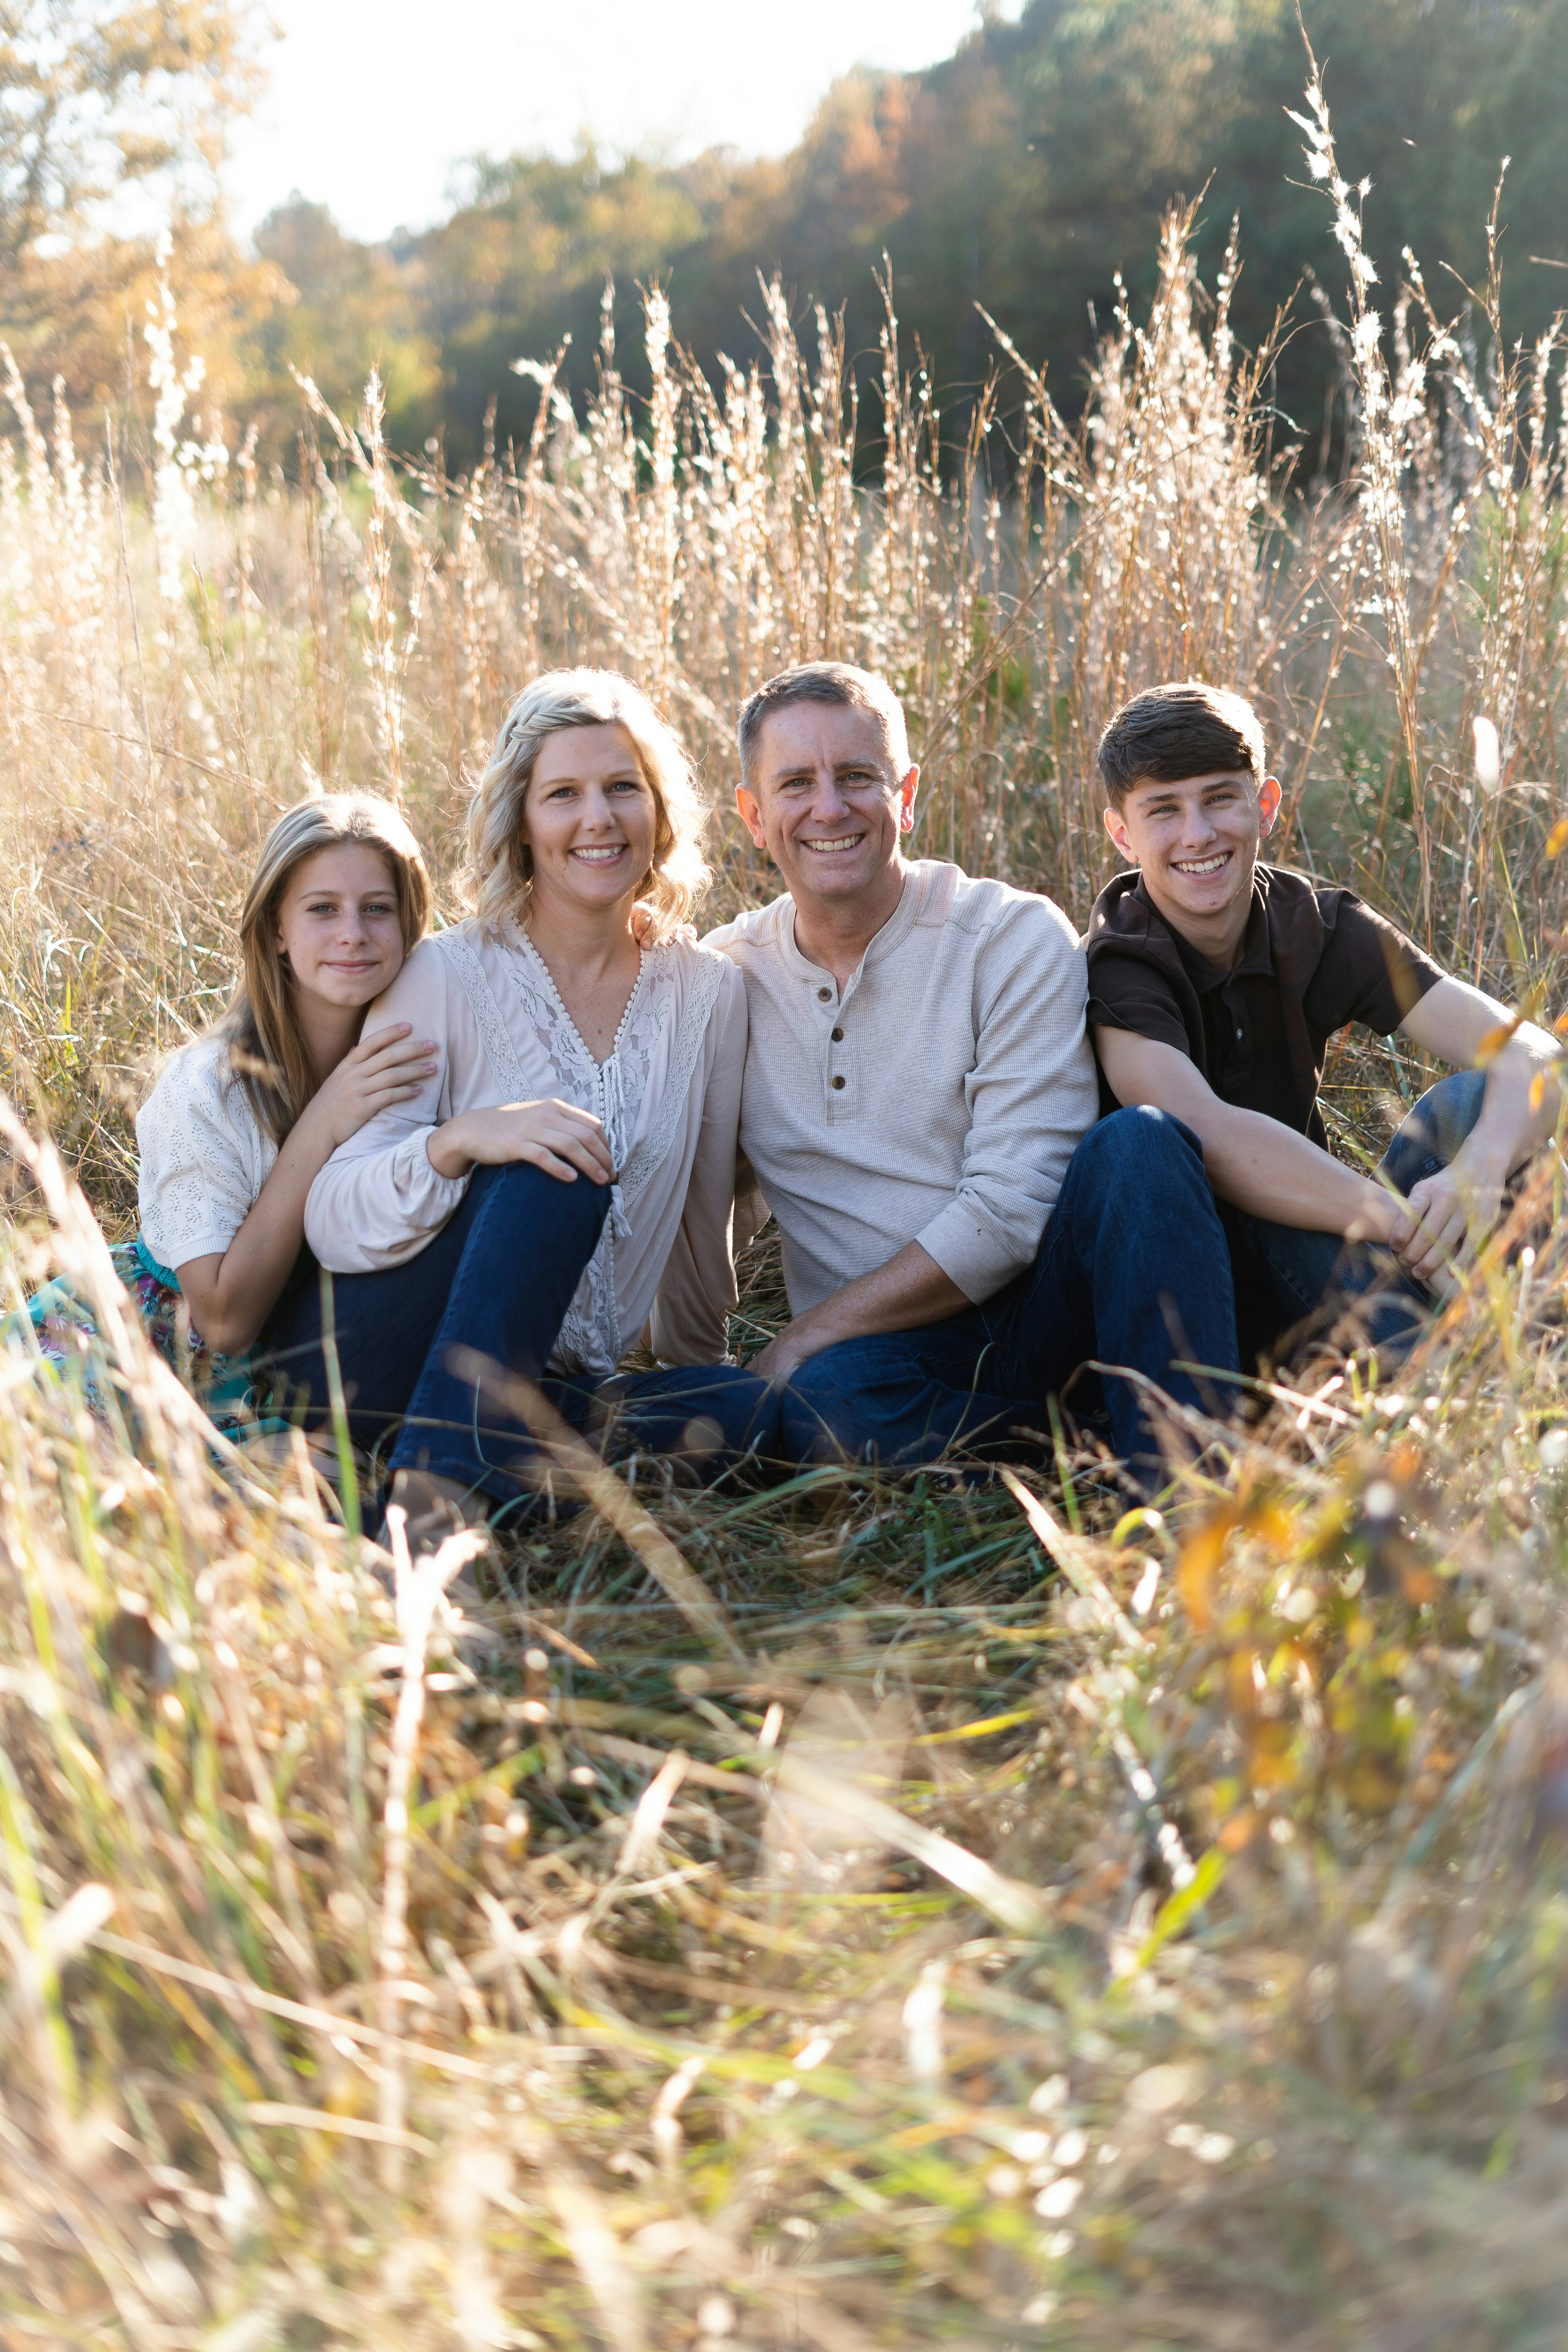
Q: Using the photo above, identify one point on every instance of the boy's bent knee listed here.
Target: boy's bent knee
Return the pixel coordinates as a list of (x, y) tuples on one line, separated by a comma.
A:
[(1139, 1142)]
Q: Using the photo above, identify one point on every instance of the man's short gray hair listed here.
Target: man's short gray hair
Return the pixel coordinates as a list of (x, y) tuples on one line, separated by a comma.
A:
[(840, 683)]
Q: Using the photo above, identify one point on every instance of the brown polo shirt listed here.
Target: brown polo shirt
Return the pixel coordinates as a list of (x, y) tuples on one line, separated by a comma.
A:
[(1311, 960)]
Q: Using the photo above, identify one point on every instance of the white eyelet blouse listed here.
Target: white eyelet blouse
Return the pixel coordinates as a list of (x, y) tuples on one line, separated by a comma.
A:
[(669, 1094), (204, 1159)]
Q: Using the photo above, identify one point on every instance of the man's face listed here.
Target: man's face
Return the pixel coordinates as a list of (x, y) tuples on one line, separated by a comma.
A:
[(1196, 840), (827, 804)]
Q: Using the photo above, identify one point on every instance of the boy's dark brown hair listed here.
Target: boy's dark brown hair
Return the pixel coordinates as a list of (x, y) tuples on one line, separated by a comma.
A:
[(1169, 732)]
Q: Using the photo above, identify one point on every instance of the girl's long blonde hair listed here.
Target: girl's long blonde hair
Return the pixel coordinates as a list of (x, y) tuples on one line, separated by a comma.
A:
[(499, 881), (266, 1050)]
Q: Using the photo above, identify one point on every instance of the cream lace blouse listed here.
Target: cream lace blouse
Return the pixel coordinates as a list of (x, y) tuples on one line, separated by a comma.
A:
[(669, 1094), (203, 1159)]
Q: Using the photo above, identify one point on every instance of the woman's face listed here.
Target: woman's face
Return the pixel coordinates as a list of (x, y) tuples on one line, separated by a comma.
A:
[(590, 818), (339, 926)]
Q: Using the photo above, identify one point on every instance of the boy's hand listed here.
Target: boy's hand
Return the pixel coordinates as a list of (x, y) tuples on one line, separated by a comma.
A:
[(1396, 1224), (1447, 1212)]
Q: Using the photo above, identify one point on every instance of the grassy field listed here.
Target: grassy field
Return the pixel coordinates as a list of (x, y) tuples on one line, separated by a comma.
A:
[(862, 1914)]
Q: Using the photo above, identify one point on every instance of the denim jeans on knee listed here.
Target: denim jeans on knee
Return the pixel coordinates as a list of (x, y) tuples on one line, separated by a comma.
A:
[(491, 1288), (1316, 1275), (1132, 1270)]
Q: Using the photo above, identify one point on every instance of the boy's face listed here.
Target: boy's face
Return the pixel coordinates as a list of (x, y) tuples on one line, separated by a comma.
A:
[(1196, 840)]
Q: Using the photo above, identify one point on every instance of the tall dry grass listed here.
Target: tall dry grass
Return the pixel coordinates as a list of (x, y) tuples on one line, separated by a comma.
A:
[(865, 1912)]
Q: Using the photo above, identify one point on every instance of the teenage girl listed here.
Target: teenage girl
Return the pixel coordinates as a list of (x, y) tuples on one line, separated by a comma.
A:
[(241, 1122)]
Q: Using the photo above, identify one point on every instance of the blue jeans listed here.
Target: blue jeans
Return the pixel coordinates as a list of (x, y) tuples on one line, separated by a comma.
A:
[(493, 1284), (496, 1280), (1132, 1270), (1285, 1276)]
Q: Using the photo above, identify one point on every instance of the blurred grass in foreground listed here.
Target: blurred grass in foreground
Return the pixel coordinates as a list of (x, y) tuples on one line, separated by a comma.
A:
[(970, 1917)]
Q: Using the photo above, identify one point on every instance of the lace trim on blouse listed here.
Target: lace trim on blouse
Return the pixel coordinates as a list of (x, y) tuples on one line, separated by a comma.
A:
[(613, 1089)]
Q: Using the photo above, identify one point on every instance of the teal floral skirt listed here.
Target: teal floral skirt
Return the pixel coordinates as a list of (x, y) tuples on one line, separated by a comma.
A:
[(65, 1333)]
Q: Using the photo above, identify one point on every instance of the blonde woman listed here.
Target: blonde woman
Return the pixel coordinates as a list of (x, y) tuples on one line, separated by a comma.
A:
[(240, 1121), (565, 1173)]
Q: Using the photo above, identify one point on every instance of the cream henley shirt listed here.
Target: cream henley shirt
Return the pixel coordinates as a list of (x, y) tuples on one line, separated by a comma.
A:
[(939, 1099)]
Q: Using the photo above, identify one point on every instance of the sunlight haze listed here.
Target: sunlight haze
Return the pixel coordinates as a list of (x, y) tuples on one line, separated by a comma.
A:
[(370, 116)]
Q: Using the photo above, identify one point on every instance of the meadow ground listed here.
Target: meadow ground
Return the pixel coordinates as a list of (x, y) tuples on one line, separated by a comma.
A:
[(862, 1912)]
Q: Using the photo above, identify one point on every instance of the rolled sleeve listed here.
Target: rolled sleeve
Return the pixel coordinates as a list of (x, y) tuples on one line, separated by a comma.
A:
[(1032, 1095)]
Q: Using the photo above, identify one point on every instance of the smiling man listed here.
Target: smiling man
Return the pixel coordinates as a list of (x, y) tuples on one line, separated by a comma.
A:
[(1214, 986), (918, 1088)]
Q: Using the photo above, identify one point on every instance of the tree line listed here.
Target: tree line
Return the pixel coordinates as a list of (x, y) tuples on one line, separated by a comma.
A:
[(1023, 177)]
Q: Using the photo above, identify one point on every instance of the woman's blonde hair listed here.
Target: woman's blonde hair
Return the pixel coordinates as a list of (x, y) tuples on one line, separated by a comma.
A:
[(499, 880), (266, 1050)]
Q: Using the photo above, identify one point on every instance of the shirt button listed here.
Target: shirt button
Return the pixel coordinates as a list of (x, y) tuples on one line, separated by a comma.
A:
[(839, 1036), (837, 1086), (1238, 1032), (822, 995)]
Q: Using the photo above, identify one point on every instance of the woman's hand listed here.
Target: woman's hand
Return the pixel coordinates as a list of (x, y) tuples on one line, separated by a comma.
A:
[(556, 1136), (389, 1066)]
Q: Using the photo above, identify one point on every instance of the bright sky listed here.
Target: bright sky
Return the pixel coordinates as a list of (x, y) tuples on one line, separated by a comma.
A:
[(369, 109)]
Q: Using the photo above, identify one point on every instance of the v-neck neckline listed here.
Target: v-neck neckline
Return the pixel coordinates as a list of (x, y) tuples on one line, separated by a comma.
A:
[(588, 1054)]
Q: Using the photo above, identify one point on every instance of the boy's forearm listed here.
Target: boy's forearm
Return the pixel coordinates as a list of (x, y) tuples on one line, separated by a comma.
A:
[(1268, 1170), (1252, 1162)]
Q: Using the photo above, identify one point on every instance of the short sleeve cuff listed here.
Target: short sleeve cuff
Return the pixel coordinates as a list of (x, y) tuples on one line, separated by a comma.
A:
[(174, 1251), (969, 1253)]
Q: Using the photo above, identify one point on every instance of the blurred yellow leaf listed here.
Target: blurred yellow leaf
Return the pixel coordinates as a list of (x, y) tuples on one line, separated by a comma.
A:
[(1242, 1673), (1275, 1526), (1198, 1570), (1269, 1761), (1232, 1835), (1492, 1044), (1537, 1090), (1557, 839)]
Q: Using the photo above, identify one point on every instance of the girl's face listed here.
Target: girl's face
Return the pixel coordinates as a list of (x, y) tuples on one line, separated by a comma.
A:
[(590, 818), (339, 926)]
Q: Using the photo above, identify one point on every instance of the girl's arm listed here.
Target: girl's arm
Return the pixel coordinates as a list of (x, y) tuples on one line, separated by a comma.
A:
[(231, 1294), (383, 1195)]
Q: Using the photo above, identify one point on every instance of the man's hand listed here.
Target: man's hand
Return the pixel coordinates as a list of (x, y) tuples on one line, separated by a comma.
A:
[(910, 1290), (785, 1353)]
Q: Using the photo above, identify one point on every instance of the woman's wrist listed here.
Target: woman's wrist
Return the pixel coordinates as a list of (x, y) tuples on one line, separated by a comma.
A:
[(445, 1150)]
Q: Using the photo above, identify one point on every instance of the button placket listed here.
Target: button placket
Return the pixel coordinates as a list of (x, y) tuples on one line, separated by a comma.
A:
[(837, 1078)]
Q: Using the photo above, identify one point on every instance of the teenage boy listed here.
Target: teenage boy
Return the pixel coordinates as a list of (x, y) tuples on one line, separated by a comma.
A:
[(918, 1109), (1214, 986)]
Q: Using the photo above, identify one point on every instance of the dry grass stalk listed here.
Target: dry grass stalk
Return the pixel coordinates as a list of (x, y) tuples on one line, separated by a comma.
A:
[(1184, 1958)]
